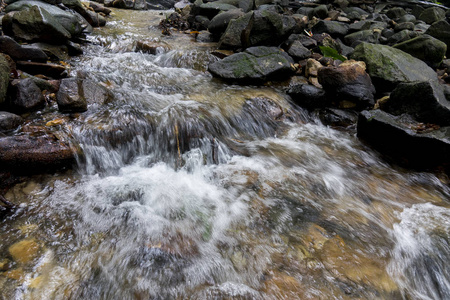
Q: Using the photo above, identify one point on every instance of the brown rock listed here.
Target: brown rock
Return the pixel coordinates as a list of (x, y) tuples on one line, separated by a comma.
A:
[(50, 70)]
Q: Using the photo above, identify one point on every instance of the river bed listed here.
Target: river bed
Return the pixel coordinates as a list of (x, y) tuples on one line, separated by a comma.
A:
[(194, 189)]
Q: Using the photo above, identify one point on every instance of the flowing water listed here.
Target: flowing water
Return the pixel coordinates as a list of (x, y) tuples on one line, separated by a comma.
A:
[(194, 189)]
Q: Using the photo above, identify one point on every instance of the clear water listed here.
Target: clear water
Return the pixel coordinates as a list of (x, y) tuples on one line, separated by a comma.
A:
[(194, 189)]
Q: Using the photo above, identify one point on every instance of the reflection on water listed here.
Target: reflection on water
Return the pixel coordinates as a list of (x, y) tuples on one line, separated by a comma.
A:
[(192, 189)]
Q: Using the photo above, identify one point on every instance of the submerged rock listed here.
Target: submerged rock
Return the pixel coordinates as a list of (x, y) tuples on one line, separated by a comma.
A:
[(31, 154), (256, 64)]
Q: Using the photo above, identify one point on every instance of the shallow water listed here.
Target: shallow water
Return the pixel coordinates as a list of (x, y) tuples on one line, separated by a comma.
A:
[(194, 189)]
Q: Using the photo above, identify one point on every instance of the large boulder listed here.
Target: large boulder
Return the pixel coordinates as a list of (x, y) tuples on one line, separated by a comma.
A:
[(432, 14), (4, 78), (441, 31), (389, 66), (31, 154), (258, 28), (426, 48), (348, 82), (256, 64), (405, 141), (67, 19), (26, 95), (36, 24), (425, 101), (21, 52)]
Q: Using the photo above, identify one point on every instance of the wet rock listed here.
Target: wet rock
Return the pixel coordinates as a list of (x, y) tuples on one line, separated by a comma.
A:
[(441, 31), (67, 19), (159, 4), (425, 101), (152, 47), (395, 13), (348, 82), (308, 96), (400, 37), (24, 251), (211, 9), (74, 48), (369, 36), (333, 28), (49, 70), (55, 52), (388, 66), (75, 94), (432, 14), (405, 141), (21, 52), (257, 28), (426, 48), (4, 78), (34, 154), (338, 117), (256, 64), (220, 22), (26, 96), (404, 26), (36, 24), (9, 121), (94, 19), (134, 4), (298, 51), (99, 8)]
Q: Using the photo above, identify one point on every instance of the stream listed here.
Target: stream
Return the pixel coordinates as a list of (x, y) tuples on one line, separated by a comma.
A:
[(191, 188)]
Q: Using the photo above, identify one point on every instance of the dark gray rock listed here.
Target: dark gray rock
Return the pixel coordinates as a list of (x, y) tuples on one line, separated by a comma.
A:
[(432, 14), (220, 22), (308, 96), (211, 9), (374, 25), (426, 48), (395, 13), (338, 117), (404, 26), (75, 94), (369, 36), (68, 20), (9, 121), (298, 51), (356, 26), (407, 18), (425, 101), (21, 52), (256, 64), (333, 28), (403, 141), (388, 66), (441, 31), (400, 37), (26, 96), (320, 11), (35, 154), (36, 24), (70, 97), (54, 52)]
